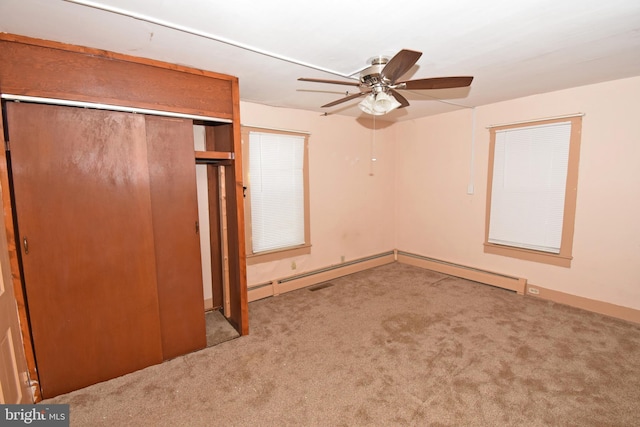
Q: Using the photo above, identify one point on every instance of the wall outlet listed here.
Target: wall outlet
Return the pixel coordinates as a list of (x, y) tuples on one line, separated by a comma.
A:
[(342, 258), (533, 291), (293, 265)]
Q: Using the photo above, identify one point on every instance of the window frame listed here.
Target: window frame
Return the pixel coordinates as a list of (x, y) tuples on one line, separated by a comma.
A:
[(564, 257), (281, 253)]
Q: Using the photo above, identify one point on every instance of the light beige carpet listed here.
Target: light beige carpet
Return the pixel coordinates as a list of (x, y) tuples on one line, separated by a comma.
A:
[(391, 346)]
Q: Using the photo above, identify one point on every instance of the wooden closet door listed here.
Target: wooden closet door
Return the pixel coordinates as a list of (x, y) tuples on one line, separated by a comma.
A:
[(174, 203), (82, 195)]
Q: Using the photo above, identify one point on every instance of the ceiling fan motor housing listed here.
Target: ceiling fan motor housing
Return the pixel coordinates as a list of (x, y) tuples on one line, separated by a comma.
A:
[(371, 77)]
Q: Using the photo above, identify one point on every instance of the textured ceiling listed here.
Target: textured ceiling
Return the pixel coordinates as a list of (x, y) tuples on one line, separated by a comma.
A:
[(513, 49)]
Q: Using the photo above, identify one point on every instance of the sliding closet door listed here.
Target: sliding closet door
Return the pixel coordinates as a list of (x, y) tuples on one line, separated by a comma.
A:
[(81, 185), (174, 204)]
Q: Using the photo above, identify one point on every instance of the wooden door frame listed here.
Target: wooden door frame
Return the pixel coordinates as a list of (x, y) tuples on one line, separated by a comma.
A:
[(26, 355), (131, 82)]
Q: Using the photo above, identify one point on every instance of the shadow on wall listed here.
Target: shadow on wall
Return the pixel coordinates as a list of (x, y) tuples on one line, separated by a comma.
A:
[(366, 121)]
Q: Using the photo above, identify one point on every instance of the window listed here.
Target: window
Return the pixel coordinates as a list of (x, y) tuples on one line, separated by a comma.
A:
[(277, 194), (532, 188)]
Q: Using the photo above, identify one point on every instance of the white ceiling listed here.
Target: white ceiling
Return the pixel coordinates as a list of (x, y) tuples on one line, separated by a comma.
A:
[(513, 49)]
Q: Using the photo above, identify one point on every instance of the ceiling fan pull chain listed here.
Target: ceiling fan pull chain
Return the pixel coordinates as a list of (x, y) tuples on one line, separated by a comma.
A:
[(372, 157)]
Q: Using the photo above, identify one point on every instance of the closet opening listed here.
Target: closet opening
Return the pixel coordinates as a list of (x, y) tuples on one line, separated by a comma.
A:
[(211, 170)]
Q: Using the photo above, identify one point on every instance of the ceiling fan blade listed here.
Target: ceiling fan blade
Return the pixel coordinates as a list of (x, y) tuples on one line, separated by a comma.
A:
[(400, 64), (436, 83), (401, 99), (337, 82), (346, 98)]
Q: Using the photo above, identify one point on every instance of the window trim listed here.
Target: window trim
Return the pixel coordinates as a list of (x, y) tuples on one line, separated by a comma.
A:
[(562, 259), (282, 253)]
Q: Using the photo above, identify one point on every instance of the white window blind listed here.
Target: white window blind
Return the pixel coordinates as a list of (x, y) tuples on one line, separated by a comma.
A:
[(529, 185), (276, 163)]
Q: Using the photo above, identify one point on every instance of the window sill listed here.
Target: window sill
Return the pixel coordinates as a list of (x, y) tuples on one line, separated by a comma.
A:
[(528, 255), (278, 254)]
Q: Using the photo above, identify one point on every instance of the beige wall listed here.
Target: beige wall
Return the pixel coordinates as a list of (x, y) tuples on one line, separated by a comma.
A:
[(417, 199), (351, 210), (436, 217)]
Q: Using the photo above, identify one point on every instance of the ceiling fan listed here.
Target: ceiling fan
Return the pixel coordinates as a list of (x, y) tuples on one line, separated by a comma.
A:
[(379, 83)]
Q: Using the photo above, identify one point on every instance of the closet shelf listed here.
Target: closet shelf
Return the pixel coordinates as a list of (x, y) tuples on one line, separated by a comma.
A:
[(214, 155)]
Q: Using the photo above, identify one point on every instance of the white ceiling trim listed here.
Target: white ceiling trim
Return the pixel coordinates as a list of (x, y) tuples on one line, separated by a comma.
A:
[(189, 30)]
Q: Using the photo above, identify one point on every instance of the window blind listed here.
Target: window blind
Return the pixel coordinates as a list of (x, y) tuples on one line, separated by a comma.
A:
[(276, 179), (529, 186)]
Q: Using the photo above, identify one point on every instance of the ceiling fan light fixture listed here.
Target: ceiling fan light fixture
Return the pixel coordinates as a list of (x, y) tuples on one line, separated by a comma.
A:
[(367, 105), (378, 104), (385, 103)]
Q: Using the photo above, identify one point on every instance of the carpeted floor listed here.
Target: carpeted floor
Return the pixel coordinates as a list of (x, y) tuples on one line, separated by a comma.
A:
[(218, 328), (391, 346)]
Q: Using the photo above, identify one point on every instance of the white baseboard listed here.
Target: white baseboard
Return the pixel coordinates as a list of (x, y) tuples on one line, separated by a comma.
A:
[(601, 307), (516, 284), (304, 280)]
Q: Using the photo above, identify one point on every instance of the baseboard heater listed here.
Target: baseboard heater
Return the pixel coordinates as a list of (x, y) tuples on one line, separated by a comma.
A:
[(321, 275), (516, 284)]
